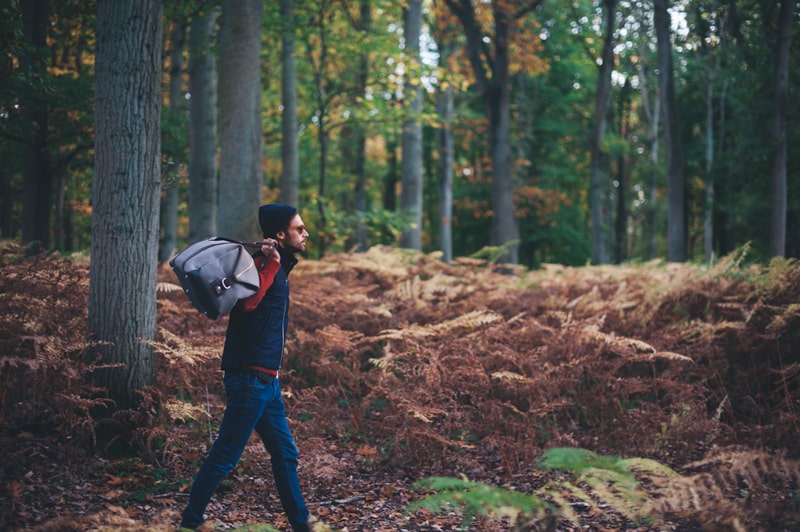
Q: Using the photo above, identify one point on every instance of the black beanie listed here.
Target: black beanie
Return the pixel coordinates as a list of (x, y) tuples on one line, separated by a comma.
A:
[(275, 217)]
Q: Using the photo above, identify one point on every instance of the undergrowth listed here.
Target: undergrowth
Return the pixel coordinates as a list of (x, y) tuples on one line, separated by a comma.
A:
[(643, 491), (437, 370)]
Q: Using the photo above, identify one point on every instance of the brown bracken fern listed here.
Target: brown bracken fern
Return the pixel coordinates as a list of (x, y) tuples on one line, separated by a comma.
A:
[(440, 369)]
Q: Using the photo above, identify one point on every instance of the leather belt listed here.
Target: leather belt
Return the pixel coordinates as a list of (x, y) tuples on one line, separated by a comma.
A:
[(264, 376)]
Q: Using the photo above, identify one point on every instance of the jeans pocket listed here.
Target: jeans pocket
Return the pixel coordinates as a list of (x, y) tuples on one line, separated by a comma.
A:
[(243, 381)]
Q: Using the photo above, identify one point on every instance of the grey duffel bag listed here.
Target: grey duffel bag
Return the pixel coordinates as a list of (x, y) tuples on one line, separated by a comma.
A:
[(216, 273)]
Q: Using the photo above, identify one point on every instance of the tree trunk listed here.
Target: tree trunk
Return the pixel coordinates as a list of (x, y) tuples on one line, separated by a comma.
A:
[(713, 37), (321, 94), (411, 165), (708, 208), (652, 111), (360, 171), (447, 42), (125, 195), (241, 176), (58, 215), (390, 182), (6, 204), (494, 92), (652, 186), (36, 200), (169, 205), (720, 229), (777, 240), (203, 126), (361, 133), (676, 211), (504, 222), (599, 179), (322, 137), (290, 158), (444, 143), (621, 229)]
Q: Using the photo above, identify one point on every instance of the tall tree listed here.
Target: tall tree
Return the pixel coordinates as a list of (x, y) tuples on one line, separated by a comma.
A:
[(203, 124), (624, 128), (444, 32), (676, 200), (651, 107), (599, 181), (8, 27), (46, 94), (241, 178), (708, 220), (362, 23), (391, 178), (489, 58), (169, 202), (36, 194), (125, 198), (444, 143), (777, 241), (319, 60), (335, 60), (708, 20), (6, 204), (411, 164), (290, 159)]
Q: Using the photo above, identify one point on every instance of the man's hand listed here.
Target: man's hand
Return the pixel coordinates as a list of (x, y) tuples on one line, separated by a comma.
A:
[(269, 250)]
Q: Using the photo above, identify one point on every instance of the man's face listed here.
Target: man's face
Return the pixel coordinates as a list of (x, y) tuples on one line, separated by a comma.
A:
[(294, 238)]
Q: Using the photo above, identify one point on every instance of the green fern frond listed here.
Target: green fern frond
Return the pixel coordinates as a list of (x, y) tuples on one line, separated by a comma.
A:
[(651, 468), (610, 480), (574, 460), (619, 491), (494, 253), (559, 493), (475, 499)]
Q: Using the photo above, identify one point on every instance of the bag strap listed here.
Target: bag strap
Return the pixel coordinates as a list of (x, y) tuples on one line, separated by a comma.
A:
[(257, 244), (251, 244)]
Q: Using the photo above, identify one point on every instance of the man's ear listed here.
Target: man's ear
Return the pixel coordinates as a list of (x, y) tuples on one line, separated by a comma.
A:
[(280, 236)]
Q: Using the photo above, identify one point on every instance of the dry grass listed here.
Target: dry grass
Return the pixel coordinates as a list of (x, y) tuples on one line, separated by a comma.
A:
[(443, 369)]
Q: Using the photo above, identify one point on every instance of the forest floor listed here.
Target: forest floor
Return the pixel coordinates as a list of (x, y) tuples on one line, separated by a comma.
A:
[(65, 490), (403, 368)]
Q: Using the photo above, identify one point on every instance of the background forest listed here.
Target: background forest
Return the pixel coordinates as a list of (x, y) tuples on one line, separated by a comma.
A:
[(585, 135), (551, 274)]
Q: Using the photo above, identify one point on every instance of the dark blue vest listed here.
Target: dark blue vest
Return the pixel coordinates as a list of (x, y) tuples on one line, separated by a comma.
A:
[(257, 338)]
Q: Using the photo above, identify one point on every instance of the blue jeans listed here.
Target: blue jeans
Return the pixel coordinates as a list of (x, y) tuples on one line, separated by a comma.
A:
[(251, 405)]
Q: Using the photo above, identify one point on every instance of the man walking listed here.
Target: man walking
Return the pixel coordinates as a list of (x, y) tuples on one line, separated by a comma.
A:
[(251, 361)]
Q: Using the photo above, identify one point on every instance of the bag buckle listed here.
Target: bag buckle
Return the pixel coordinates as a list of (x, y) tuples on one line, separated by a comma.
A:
[(220, 285)]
